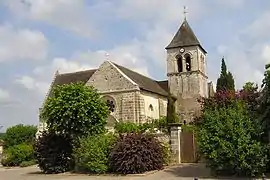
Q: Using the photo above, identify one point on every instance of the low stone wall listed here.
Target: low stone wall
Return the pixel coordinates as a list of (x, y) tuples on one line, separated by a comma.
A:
[(163, 137)]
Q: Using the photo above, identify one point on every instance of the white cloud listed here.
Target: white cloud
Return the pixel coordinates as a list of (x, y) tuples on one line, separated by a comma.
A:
[(66, 14), (232, 3), (33, 84), (245, 64), (64, 66), (157, 11), (40, 78), (17, 44), (266, 53), (4, 95), (258, 30), (221, 49)]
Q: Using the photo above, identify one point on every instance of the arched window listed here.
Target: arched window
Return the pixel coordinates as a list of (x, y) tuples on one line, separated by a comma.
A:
[(151, 108), (179, 63), (188, 62)]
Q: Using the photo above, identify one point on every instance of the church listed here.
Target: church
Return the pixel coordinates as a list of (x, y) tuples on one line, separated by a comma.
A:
[(136, 98)]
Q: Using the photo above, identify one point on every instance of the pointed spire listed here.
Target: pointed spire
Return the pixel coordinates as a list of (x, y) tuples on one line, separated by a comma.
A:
[(184, 37)]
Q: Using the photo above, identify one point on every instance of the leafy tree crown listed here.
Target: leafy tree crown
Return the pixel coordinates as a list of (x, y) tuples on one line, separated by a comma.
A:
[(75, 110)]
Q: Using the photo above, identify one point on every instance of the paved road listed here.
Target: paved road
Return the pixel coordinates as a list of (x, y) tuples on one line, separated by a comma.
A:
[(184, 172)]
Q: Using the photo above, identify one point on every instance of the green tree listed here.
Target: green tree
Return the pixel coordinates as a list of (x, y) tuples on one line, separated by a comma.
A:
[(228, 140), (264, 109), (75, 110), (250, 87), (230, 82), (19, 134), (225, 80), (2, 136)]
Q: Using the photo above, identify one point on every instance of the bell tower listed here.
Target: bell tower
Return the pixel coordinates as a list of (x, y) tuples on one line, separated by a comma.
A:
[(186, 72)]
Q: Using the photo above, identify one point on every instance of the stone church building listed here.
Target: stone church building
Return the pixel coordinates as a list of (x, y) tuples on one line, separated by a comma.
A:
[(133, 97)]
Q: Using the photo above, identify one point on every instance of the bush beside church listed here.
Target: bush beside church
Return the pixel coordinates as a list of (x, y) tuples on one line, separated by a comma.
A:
[(77, 138)]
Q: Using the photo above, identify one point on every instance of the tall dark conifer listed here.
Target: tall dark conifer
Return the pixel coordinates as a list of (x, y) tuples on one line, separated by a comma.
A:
[(230, 82), (225, 80)]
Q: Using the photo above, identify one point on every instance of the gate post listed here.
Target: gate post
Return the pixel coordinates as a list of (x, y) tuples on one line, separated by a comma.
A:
[(175, 139)]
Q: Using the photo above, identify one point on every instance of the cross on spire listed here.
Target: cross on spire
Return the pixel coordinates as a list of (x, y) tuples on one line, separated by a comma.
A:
[(107, 55), (185, 13)]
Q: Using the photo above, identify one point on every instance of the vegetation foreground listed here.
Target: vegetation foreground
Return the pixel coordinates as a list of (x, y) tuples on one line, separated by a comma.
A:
[(232, 134)]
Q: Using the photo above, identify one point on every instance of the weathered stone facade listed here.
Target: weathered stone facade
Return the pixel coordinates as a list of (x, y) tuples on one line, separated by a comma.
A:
[(188, 81), (137, 98), (131, 103)]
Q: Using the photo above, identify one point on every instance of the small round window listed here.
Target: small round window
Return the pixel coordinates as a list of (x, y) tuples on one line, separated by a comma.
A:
[(111, 105)]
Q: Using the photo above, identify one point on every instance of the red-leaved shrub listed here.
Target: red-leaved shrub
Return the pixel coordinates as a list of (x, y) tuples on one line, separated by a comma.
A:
[(136, 153)]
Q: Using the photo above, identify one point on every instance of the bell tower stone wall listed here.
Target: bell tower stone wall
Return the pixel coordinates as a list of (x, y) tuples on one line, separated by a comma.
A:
[(186, 72)]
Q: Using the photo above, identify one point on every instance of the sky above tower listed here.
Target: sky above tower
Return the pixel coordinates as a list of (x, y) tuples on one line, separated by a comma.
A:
[(39, 37)]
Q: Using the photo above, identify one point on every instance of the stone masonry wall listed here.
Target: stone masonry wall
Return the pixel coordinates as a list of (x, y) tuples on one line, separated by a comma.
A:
[(158, 102), (187, 86), (108, 78), (125, 105)]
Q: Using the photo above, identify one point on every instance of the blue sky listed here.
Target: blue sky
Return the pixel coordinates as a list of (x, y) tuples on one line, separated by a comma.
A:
[(39, 37)]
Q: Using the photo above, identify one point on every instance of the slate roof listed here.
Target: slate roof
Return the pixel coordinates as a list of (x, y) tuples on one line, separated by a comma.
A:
[(67, 78), (164, 85), (184, 37), (80, 76), (145, 83)]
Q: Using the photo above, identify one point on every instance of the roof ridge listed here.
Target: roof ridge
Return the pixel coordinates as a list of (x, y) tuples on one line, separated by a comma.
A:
[(133, 71), (143, 84), (76, 72)]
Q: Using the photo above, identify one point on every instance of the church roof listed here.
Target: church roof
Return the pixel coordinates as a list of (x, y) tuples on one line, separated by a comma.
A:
[(145, 83), (184, 37), (80, 76), (67, 78)]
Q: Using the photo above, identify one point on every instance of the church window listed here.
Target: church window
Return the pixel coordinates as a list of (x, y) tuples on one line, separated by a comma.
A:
[(110, 103), (151, 107), (179, 63), (188, 62)]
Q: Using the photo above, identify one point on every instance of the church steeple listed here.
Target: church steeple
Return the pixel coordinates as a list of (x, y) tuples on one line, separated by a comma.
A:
[(184, 37), (186, 71)]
